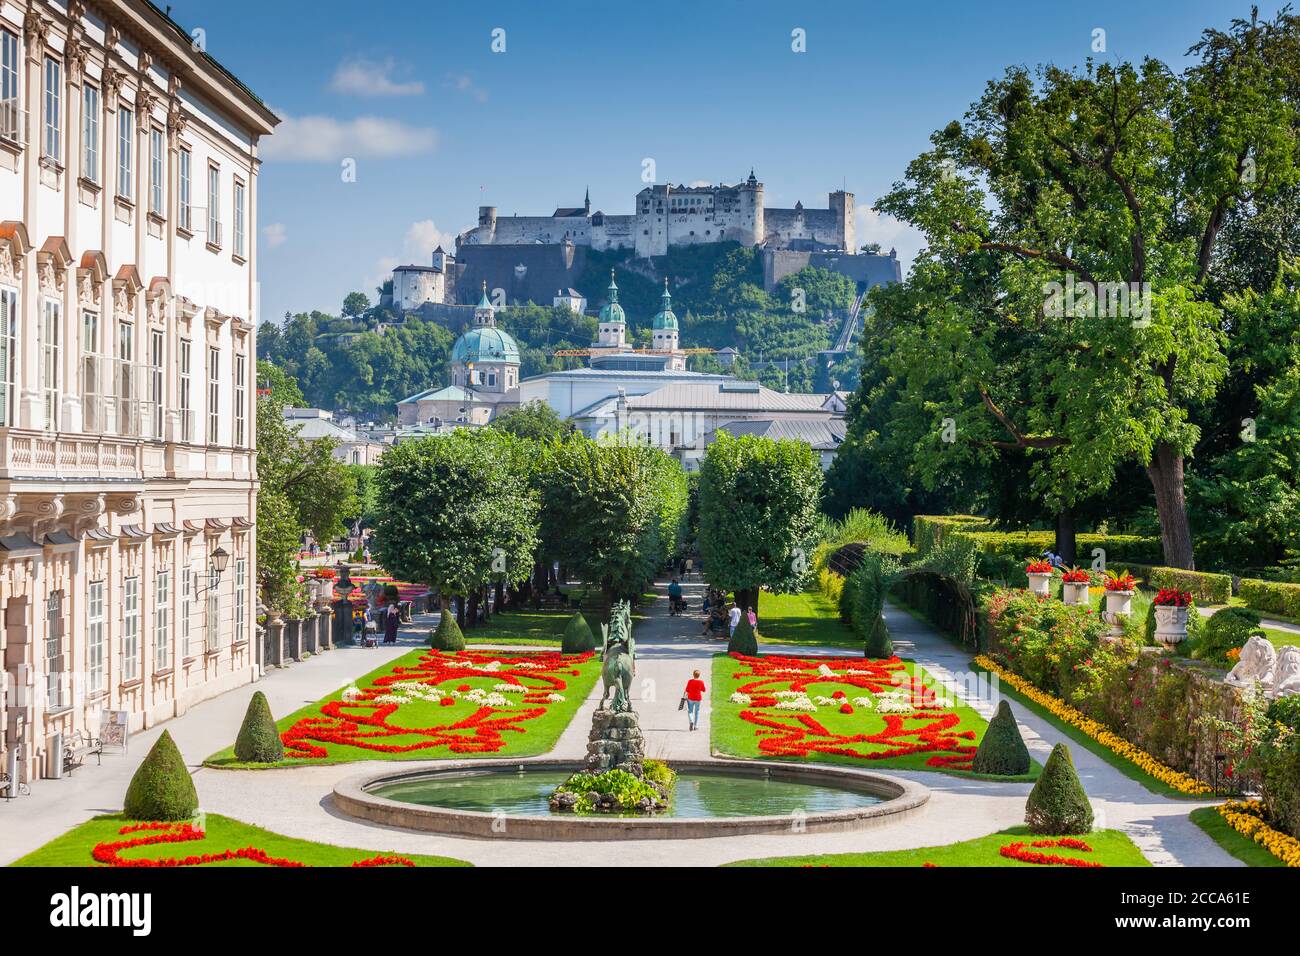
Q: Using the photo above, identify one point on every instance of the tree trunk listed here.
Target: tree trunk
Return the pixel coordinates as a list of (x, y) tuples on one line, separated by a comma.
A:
[(460, 612), (472, 613), (499, 598), (1166, 474), (1065, 544)]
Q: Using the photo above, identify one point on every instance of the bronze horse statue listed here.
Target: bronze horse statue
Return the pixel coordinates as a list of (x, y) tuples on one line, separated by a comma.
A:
[(618, 658)]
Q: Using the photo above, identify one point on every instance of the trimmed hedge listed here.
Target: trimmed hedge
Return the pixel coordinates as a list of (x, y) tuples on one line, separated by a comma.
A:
[(1206, 587), (578, 637), (1002, 752), (162, 788), (742, 639), (448, 635), (1270, 596), (1058, 805), (259, 739)]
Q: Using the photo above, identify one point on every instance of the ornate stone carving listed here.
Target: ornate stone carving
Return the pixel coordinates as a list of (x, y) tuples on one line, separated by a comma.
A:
[(113, 80), (37, 30), (111, 37), (40, 514), (51, 278), (83, 512), (1256, 666), (124, 504), (1286, 673), (177, 121), (145, 101), (76, 56), (9, 267)]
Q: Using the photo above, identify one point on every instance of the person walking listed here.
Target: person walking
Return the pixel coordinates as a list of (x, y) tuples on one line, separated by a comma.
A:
[(693, 694), (392, 618), (733, 620)]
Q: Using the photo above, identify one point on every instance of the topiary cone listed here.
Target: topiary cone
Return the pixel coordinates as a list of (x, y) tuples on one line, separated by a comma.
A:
[(743, 640), (1057, 805), (1002, 751), (578, 637), (259, 738), (879, 645), (162, 788), (447, 636)]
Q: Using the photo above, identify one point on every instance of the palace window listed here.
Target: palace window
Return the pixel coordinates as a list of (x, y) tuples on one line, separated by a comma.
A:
[(214, 609), (52, 147), (125, 162), (162, 643), (240, 413), (187, 413), (130, 629), (239, 218), (214, 206), (187, 602), (54, 684), (90, 133), (10, 104), (96, 637), (91, 385), (8, 355), (241, 597), (156, 350), (186, 161), (214, 395), (128, 422), (51, 325), (156, 154)]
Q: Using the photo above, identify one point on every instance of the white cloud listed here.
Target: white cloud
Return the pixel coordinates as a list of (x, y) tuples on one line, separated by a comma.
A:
[(274, 235), (873, 226), (417, 248), (325, 139), (464, 83), (362, 77)]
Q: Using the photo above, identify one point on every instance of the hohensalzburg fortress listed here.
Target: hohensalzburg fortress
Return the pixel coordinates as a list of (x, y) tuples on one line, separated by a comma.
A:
[(678, 216)]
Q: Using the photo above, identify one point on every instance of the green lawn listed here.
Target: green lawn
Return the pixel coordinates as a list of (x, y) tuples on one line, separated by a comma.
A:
[(1242, 847), (1109, 848), (809, 619), (220, 834), (461, 725), (544, 628), (734, 736)]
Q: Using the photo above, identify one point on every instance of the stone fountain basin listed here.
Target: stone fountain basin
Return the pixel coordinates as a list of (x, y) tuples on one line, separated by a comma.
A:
[(899, 799)]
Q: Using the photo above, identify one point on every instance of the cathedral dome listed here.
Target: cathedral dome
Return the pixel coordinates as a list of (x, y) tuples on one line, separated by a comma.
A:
[(665, 318), (612, 311), (485, 344)]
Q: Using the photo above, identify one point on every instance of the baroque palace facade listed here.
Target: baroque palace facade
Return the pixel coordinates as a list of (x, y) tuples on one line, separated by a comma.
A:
[(128, 175)]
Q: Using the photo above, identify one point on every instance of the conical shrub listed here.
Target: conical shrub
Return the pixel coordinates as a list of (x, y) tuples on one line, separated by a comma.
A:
[(162, 788), (578, 637), (743, 641), (259, 739), (1057, 805), (1002, 751), (447, 636)]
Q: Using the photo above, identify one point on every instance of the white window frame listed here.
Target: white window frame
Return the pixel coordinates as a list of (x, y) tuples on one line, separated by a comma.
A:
[(241, 417), (241, 597), (52, 100), (11, 104), (130, 629), (213, 623), (8, 356), (125, 153), (185, 184), (214, 395), (90, 133), (187, 412), (240, 195), (157, 156), (157, 356), (51, 357), (162, 633), (214, 204), (187, 608), (54, 683), (96, 636)]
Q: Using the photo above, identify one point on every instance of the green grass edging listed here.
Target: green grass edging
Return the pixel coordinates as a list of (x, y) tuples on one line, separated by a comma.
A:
[(1236, 844)]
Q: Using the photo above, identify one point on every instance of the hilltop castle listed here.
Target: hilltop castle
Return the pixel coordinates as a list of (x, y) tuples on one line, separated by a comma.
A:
[(679, 216)]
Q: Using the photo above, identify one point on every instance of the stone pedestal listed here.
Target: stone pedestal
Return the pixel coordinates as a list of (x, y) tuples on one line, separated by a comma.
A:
[(615, 742)]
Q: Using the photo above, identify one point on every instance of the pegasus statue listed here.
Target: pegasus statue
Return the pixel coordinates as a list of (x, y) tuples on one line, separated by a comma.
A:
[(618, 657)]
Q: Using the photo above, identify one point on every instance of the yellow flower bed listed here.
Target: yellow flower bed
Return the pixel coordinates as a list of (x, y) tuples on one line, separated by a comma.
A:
[(1183, 783), (1244, 816)]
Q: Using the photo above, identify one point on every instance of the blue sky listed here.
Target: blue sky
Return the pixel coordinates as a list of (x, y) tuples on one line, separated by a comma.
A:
[(584, 91)]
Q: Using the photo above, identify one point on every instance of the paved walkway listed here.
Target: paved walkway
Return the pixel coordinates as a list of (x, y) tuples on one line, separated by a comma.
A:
[(296, 801)]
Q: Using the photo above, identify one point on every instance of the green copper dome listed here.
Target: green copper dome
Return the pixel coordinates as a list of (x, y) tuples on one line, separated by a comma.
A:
[(485, 344), (665, 318), (612, 311)]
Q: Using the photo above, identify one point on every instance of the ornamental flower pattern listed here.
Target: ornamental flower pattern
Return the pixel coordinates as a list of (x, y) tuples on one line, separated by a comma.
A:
[(162, 834), (916, 720), (369, 718)]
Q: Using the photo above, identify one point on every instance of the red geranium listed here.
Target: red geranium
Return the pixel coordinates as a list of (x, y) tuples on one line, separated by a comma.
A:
[(1119, 582), (839, 695), (1038, 567), (1172, 597), (1076, 576), (846, 708)]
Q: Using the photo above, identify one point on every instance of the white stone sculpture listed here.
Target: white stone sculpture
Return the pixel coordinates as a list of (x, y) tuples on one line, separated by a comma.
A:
[(1256, 666), (1286, 672)]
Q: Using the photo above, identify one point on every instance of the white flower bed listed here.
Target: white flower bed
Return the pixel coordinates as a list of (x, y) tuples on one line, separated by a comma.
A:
[(510, 688), (800, 703), (743, 699)]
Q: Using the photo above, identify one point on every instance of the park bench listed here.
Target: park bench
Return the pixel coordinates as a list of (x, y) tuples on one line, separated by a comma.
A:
[(21, 790), (79, 748)]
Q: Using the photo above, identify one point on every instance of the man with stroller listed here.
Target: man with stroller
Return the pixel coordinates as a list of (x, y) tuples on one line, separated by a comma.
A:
[(676, 604)]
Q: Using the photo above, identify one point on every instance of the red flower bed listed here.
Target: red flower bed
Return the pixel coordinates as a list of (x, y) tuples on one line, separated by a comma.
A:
[(1172, 597), (109, 854), (1022, 852), (802, 735), (364, 723)]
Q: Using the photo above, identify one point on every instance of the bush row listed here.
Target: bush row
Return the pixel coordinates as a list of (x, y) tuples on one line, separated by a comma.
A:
[(1270, 596), (1206, 587)]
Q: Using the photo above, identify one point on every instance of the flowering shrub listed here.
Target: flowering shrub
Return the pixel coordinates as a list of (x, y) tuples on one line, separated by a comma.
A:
[(905, 715), (526, 684), (1172, 597), (1247, 818), (109, 854)]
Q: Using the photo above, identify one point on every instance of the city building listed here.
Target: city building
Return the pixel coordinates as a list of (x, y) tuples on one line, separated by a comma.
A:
[(571, 299), (128, 250), (823, 436), (350, 446)]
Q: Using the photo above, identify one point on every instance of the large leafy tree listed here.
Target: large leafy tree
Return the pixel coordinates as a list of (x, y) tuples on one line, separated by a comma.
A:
[(1074, 179), (613, 511), (758, 514), (456, 511)]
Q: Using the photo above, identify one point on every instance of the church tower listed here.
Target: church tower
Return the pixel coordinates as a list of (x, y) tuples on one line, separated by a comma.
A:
[(664, 332), (611, 328)]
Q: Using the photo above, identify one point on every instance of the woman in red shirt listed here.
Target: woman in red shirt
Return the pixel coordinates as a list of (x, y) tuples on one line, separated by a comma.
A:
[(693, 694)]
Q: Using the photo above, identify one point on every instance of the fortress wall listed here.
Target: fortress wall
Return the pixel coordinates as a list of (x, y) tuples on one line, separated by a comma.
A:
[(819, 225)]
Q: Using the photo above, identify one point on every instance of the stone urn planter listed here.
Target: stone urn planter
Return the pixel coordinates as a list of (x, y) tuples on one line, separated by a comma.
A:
[(1074, 592), (1119, 605), (1171, 625), (1040, 583)]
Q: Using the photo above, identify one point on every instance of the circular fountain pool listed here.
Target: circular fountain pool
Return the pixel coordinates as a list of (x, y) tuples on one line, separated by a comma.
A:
[(713, 798)]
